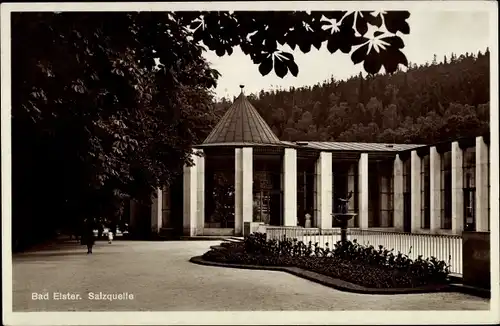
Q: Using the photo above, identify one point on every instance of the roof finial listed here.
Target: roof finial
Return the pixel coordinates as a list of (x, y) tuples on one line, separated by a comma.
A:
[(242, 86)]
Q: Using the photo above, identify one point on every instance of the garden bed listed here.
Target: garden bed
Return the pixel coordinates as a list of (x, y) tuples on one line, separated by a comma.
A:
[(350, 262), (330, 281)]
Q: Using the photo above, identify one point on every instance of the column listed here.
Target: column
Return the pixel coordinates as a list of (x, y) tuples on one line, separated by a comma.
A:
[(351, 180), (416, 188), (190, 200), (435, 188), (200, 197), (238, 190), (290, 187), (156, 211), (481, 185), (363, 191), (325, 190), (247, 185), (398, 194), (457, 191)]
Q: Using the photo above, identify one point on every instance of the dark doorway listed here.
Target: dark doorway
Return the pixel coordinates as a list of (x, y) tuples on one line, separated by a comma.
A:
[(177, 205), (305, 188), (374, 195), (407, 212), (267, 193), (340, 178), (340, 190), (143, 221), (276, 218), (219, 190)]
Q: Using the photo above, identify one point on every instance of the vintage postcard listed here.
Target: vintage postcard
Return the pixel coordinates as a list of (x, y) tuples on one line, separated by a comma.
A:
[(207, 163)]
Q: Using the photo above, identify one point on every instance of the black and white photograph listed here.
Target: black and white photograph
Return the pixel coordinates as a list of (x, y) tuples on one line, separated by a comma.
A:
[(244, 163)]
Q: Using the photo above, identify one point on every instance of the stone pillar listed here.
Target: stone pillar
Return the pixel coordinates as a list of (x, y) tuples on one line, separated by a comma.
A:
[(416, 187), (190, 201), (247, 185), (157, 211), (435, 189), (290, 187), (363, 191), (457, 191), (351, 186), (200, 197), (398, 194), (238, 191), (325, 190), (482, 196)]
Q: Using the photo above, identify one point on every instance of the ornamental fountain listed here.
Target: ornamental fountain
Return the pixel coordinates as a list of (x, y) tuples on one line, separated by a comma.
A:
[(343, 216)]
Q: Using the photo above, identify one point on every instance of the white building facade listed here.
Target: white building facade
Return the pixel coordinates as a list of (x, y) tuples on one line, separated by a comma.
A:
[(429, 189), (244, 175)]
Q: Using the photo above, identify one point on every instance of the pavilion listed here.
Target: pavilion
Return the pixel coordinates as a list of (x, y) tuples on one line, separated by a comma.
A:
[(244, 175)]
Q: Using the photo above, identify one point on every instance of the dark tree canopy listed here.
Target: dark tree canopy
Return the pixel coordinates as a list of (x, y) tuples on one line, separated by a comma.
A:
[(259, 35), (94, 118)]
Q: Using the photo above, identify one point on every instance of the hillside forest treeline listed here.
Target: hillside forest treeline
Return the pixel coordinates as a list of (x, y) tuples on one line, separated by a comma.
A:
[(428, 103)]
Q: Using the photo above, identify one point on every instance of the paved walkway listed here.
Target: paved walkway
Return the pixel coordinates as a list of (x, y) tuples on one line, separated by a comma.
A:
[(160, 278)]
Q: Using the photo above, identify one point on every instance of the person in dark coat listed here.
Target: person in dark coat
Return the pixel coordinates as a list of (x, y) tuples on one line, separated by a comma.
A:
[(88, 233)]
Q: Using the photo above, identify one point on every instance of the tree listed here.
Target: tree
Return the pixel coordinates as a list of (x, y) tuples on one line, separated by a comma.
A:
[(108, 105), (259, 35), (408, 107), (94, 117)]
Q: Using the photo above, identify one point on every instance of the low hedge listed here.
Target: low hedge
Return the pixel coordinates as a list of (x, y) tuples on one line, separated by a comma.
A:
[(350, 261)]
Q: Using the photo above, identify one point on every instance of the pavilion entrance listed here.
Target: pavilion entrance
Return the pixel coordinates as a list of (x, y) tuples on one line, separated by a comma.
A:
[(219, 189), (267, 192)]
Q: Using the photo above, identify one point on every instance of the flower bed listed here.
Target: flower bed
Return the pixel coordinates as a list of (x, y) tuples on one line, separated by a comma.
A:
[(351, 262)]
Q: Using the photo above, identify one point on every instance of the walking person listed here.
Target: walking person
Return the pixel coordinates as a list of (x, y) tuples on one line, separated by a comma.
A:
[(89, 227), (110, 235)]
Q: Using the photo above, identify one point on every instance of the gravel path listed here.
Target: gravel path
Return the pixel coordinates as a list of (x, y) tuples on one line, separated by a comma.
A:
[(160, 278)]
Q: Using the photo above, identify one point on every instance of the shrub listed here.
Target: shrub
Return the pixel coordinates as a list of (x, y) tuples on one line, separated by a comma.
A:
[(350, 261)]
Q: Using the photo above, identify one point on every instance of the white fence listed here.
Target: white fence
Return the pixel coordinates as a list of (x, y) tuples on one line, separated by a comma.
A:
[(443, 247)]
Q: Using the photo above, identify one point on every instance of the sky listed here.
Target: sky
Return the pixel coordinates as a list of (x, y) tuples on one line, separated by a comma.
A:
[(431, 32)]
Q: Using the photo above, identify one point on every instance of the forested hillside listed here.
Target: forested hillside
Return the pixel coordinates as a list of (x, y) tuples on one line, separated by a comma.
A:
[(445, 99)]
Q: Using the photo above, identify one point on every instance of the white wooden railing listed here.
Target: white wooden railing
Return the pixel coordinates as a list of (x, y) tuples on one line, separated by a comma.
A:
[(443, 247)]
